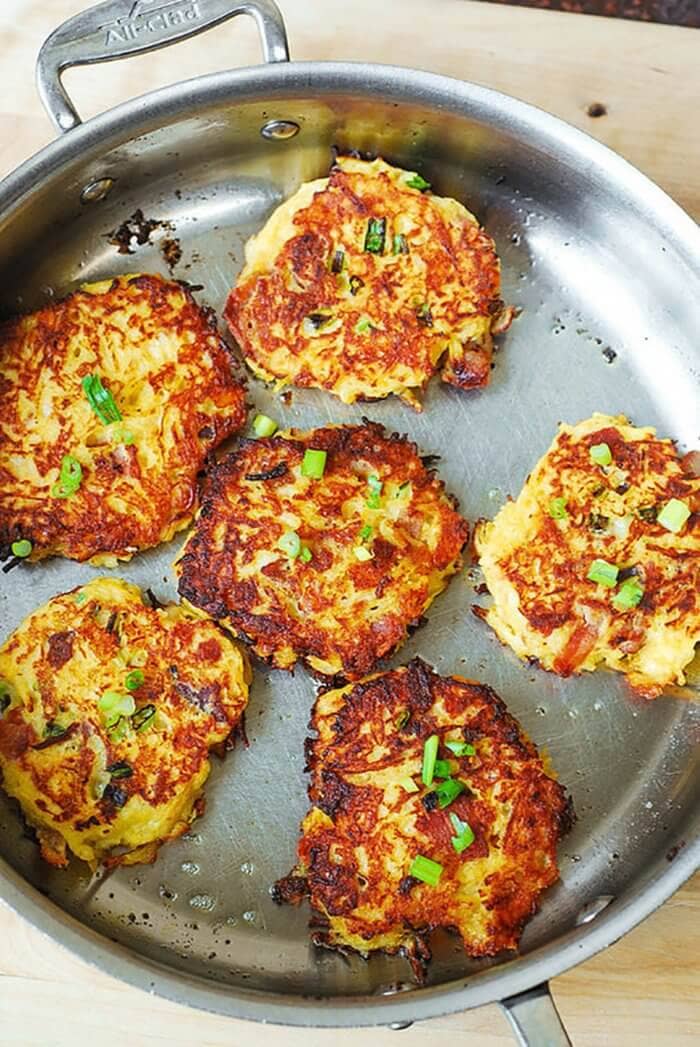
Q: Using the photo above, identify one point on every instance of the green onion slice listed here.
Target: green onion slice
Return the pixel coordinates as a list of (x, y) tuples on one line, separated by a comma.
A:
[(142, 717), (429, 757), (100, 399), (337, 261), (7, 693), (557, 508), (71, 476), (461, 748), (363, 325), (305, 555), (402, 719), (408, 785), (123, 436), (375, 235), (465, 834), (375, 489), (448, 791), (424, 315), (121, 769), (601, 454), (118, 729), (365, 533), (314, 463), (426, 870), (442, 769), (673, 515), (264, 426), (134, 680), (113, 705), (290, 543), (603, 573), (21, 548), (628, 595), (400, 244), (417, 181)]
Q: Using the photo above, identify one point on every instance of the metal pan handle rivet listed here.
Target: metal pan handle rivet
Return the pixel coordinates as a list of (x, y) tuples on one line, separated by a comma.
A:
[(398, 1026), (279, 130), (96, 190), (593, 908)]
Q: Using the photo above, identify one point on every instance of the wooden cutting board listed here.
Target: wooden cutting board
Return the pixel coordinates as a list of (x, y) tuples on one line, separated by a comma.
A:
[(646, 988)]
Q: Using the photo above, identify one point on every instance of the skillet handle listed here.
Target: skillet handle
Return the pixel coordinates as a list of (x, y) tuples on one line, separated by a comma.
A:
[(121, 28), (535, 1019)]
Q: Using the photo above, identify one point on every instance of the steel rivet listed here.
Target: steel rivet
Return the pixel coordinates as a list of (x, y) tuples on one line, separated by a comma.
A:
[(96, 190), (398, 1026), (593, 908), (278, 130)]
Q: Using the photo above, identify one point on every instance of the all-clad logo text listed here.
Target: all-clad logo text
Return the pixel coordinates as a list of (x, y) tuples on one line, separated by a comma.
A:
[(151, 16)]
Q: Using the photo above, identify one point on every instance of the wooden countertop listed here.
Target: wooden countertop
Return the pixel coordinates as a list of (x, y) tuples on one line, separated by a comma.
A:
[(646, 987)]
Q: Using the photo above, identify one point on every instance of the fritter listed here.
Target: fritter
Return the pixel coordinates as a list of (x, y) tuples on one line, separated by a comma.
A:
[(108, 710), (430, 809), (323, 546), (597, 562), (361, 283), (110, 402)]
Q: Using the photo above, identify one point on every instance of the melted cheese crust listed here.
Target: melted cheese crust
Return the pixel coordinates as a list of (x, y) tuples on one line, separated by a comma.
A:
[(336, 613), (364, 829), (159, 355), (545, 608), (439, 299), (56, 666)]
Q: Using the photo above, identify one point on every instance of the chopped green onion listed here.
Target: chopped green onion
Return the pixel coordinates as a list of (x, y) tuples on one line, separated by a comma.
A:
[(598, 523), (305, 555), (403, 489), (119, 729), (557, 508), (461, 748), (429, 757), (365, 533), (628, 595), (424, 315), (264, 426), (402, 719), (290, 543), (123, 436), (21, 548), (7, 693), (375, 489), (100, 399), (113, 705), (400, 244), (443, 769), (408, 785), (648, 513), (80, 597), (121, 769), (603, 573), (314, 463), (601, 454), (70, 477), (465, 834), (426, 870), (142, 717), (673, 515), (417, 181), (134, 679), (375, 236), (448, 791), (54, 730), (363, 325), (337, 261), (362, 553)]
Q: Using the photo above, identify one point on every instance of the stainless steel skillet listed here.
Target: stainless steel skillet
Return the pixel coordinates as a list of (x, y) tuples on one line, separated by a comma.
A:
[(607, 272)]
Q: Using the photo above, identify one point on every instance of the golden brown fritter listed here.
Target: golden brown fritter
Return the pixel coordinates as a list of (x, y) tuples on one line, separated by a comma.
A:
[(169, 373), (494, 843), (329, 571), (108, 710), (643, 618), (329, 299)]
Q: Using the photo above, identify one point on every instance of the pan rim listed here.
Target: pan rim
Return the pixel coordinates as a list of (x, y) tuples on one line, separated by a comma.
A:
[(148, 112)]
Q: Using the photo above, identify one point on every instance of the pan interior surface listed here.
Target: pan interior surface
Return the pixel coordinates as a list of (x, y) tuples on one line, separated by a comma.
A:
[(610, 314)]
